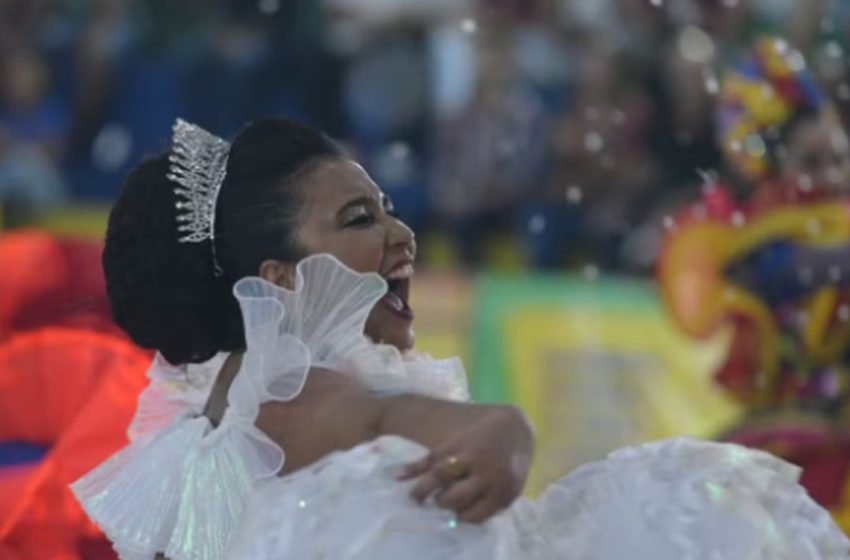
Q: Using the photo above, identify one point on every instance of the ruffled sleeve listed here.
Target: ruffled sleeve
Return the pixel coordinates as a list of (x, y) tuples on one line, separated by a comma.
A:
[(172, 391)]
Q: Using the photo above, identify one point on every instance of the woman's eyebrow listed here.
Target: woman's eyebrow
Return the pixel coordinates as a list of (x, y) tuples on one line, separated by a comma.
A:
[(359, 201)]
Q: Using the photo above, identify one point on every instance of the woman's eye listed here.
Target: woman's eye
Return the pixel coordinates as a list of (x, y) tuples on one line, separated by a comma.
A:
[(361, 220)]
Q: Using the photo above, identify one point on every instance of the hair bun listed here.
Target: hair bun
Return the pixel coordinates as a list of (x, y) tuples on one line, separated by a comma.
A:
[(163, 292)]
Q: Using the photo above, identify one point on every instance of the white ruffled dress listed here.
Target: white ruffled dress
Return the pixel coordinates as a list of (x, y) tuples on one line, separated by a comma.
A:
[(197, 492)]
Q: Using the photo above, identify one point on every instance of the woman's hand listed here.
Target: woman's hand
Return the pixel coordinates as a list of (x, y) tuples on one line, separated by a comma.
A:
[(482, 468)]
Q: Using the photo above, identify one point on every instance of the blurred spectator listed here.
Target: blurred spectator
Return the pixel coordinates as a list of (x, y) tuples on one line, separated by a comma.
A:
[(386, 101), (33, 129), (599, 166), (562, 123), (491, 153), (683, 137)]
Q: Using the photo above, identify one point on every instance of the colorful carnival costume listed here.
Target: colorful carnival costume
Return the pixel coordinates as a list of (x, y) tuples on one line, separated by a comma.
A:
[(196, 491), (760, 98), (739, 265), (787, 360)]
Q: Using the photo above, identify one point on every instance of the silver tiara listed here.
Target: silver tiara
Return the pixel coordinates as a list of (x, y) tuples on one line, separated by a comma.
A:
[(198, 164)]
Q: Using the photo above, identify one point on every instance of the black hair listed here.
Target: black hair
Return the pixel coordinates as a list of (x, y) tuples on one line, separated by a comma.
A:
[(164, 293)]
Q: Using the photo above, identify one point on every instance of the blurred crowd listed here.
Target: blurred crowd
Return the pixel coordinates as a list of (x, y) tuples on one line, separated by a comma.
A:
[(572, 127)]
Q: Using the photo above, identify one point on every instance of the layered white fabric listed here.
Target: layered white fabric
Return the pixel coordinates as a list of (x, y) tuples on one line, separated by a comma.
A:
[(172, 391), (182, 486), (679, 499)]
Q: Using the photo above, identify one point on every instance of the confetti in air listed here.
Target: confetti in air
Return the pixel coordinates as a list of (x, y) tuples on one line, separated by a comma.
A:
[(537, 224), (111, 147), (709, 179), (796, 62), (574, 194), (593, 142), (590, 272), (738, 219), (712, 84), (400, 150), (834, 50), (695, 45)]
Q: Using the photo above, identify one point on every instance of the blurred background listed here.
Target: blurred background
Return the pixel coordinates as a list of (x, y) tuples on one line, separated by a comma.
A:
[(545, 151)]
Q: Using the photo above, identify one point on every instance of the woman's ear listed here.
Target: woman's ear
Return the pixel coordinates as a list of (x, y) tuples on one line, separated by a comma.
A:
[(278, 272)]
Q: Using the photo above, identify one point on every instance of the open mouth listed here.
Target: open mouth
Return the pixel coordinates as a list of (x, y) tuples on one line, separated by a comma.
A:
[(397, 297)]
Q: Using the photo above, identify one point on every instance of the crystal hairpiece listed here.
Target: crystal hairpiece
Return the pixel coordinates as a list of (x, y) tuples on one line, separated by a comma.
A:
[(198, 165)]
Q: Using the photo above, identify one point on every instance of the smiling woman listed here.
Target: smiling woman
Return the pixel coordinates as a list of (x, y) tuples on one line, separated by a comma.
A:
[(347, 215), (282, 253)]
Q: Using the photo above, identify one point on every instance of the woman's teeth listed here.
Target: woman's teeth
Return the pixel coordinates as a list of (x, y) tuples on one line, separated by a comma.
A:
[(401, 273)]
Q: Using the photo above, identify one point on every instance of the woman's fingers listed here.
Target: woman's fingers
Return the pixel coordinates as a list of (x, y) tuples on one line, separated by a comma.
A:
[(443, 471), (449, 468), (461, 495), (480, 511), (417, 468), (427, 484)]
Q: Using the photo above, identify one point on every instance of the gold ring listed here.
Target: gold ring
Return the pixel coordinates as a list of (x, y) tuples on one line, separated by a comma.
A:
[(455, 468)]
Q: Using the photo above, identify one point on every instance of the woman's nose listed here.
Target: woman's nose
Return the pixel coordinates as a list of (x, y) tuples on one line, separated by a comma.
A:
[(401, 235)]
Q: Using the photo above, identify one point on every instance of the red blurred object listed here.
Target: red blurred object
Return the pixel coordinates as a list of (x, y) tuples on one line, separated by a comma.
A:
[(74, 391), (47, 280), (735, 374), (772, 195), (809, 442)]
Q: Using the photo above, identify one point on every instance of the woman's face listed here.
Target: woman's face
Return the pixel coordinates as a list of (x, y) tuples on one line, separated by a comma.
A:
[(818, 152), (347, 215)]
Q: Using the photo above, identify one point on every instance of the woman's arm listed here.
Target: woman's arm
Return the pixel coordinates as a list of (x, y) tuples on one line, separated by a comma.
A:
[(480, 453)]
